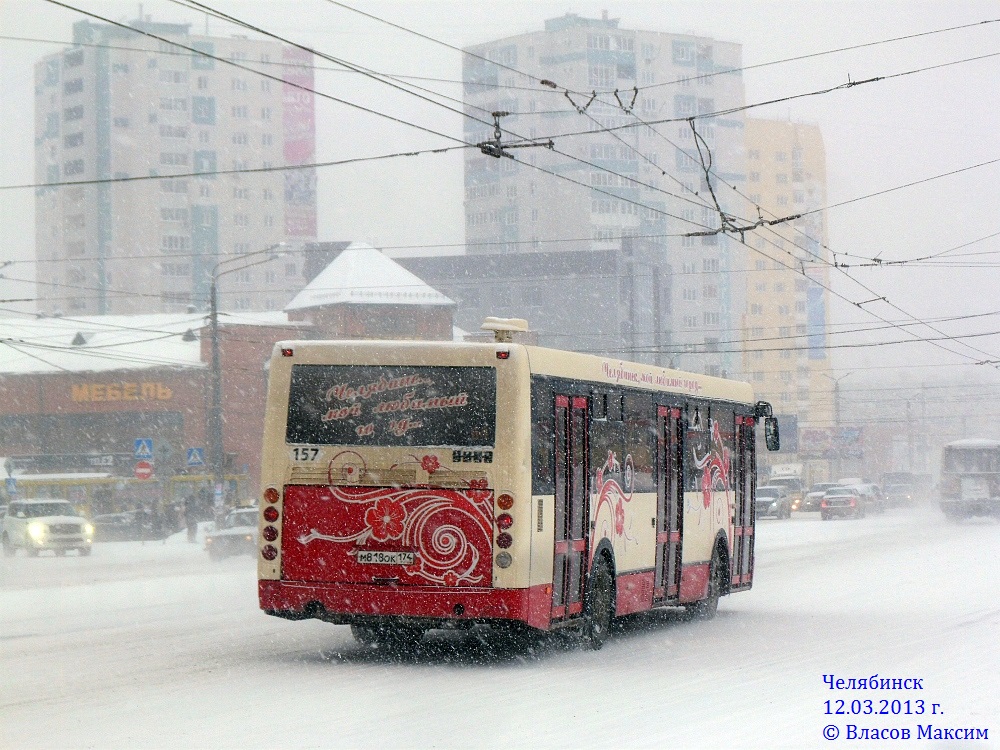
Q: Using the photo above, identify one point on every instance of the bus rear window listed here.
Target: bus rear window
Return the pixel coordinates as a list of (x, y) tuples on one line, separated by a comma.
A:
[(392, 405)]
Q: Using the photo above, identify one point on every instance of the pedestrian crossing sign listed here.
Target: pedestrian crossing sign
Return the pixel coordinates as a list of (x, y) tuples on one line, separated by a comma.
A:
[(144, 448)]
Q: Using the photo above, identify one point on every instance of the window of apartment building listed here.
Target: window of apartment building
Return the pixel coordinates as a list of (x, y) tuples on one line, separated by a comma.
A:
[(175, 242), (800, 307), (601, 75), (710, 318), (756, 332), (75, 221), (782, 200), (798, 196), (173, 131), (75, 249), (204, 161), (73, 58), (74, 86), (151, 62), (175, 269), (291, 269), (265, 85), (756, 309), (267, 139), (598, 41), (690, 294), (690, 321), (203, 136), (779, 288), (203, 110), (711, 345), (205, 191), (267, 194), (173, 104), (683, 53), (73, 113), (710, 291), (268, 220), (240, 139), (173, 158), (710, 265), (173, 186), (244, 276), (687, 241), (202, 82), (120, 122), (757, 355), (786, 354), (270, 276), (241, 220), (760, 287), (796, 175), (780, 156), (174, 214), (239, 84), (73, 140), (173, 76), (784, 331), (685, 105), (801, 285), (784, 310), (73, 167)]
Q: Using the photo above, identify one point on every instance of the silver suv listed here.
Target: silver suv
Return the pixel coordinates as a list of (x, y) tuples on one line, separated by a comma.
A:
[(36, 525)]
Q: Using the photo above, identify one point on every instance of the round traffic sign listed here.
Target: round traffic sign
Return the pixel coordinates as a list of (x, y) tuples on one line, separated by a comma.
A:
[(143, 469)]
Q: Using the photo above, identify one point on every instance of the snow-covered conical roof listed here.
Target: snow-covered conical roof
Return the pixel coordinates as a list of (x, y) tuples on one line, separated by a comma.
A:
[(361, 275)]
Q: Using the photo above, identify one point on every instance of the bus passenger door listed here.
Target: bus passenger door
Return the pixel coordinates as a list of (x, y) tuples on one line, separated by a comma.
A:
[(669, 504), (743, 512), (570, 558)]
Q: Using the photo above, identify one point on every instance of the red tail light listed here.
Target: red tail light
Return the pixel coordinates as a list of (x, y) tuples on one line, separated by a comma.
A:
[(271, 495), (269, 533), (823, 504), (853, 502), (504, 521), (269, 552), (270, 514), (504, 540), (505, 502)]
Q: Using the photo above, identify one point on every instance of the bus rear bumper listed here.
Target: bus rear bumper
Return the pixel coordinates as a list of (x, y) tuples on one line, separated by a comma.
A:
[(429, 607)]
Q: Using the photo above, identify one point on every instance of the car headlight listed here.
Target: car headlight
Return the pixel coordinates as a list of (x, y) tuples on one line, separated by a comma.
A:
[(37, 530), (88, 530)]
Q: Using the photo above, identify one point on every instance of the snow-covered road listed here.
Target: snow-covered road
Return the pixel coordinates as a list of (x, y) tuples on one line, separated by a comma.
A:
[(155, 646)]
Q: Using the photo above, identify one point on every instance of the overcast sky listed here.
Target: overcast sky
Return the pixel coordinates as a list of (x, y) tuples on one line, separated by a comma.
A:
[(878, 136)]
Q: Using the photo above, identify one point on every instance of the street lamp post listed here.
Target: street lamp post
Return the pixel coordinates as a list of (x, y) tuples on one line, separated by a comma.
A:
[(838, 450), (215, 432)]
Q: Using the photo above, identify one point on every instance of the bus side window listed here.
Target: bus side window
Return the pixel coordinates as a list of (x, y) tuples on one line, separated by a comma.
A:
[(542, 439), (640, 437)]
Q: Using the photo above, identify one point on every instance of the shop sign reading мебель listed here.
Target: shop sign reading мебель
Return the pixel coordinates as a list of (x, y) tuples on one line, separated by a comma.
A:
[(392, 405)]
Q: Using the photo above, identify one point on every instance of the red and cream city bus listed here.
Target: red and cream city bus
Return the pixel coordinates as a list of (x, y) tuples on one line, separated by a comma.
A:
[(417, 485)]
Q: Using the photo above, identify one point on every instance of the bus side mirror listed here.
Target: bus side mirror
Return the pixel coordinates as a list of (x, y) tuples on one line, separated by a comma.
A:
[(771, 438)]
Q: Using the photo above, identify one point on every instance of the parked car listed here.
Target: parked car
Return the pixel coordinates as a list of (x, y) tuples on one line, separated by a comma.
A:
[(44, 524), (814, 497), (129, 526), (237, 535), (842, 502), (773, 500)]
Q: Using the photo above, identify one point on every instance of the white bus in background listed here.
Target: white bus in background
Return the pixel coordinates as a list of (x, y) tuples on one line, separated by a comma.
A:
[(417, 485)]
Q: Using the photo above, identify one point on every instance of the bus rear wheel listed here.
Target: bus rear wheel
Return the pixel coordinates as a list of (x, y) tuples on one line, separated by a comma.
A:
[(600, 609), (707, 607)]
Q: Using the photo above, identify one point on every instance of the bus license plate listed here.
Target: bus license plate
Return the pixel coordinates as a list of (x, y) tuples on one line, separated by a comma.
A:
[(375, 557)]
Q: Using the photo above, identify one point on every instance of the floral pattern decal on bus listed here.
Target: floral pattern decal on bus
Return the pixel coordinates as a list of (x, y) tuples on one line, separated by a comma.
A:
[(450, 530), (714, 466), (614, 484)]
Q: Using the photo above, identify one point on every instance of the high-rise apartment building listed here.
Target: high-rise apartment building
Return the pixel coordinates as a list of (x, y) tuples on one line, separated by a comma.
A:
[(788, 273), (121, 105), (640, 183)]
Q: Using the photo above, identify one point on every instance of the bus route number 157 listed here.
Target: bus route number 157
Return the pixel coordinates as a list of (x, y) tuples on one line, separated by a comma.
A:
[(305, 454)]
